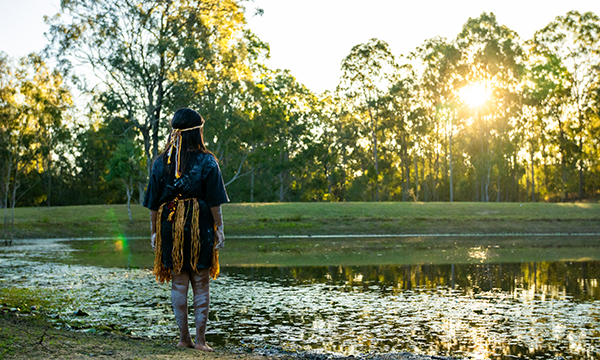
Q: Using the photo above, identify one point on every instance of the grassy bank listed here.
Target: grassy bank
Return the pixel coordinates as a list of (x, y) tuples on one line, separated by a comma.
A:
[(323, 218), (35, 338)]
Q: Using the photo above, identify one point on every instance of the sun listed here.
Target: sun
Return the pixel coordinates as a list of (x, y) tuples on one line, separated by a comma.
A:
[(475, 95)]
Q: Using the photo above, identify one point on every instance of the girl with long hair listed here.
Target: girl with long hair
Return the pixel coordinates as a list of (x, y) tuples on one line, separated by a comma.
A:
[(184, 195)]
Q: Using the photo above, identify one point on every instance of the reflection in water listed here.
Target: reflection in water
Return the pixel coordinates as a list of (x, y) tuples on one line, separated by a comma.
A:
[(525, 309), (543, 309), (548, 280)]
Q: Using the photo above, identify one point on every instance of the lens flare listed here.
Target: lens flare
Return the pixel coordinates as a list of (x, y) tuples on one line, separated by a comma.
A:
[(475, 95), (121, 244)]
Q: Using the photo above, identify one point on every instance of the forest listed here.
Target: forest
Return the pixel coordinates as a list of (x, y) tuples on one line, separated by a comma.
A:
[(486, 116)]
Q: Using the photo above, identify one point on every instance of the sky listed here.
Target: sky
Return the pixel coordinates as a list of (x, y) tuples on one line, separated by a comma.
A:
[(312, 37)]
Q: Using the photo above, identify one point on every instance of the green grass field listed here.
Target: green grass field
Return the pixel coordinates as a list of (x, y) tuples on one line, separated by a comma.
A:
[(323, 218)]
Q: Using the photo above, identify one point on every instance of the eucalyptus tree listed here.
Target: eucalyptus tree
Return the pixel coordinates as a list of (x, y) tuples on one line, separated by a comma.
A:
[(404, 118), (142, 52), (547, 92), (494, 58), (124, 166), (34, 105), (9, 114), (442, 77), (47, 102), (228, 100), (365, 77), (574, 40), (282, 131), (328, 146)]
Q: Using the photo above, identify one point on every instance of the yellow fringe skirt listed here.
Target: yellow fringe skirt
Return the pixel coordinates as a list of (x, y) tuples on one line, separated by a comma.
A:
[(179, 219)]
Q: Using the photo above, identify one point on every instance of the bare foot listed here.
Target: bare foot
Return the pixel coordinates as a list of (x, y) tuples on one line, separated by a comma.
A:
[(190, 344), (204, 347)]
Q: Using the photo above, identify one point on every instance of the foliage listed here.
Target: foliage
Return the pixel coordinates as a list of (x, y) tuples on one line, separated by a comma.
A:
[(395, 129)]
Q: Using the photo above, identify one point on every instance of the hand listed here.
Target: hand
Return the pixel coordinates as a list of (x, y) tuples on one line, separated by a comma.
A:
[(219, 238), (153, 241)]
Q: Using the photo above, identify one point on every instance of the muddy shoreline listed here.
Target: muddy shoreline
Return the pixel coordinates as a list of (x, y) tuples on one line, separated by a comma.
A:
[(27, 337)]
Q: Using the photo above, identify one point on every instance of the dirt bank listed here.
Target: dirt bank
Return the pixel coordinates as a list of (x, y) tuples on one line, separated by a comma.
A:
[(34, 338)]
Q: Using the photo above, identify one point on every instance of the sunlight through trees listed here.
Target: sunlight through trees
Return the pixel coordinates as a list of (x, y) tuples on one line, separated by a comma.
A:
[(486, 116)]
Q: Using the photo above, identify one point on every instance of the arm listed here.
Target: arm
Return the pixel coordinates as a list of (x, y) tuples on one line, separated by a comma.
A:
[(153, 215), (153, 228), (220, 235)]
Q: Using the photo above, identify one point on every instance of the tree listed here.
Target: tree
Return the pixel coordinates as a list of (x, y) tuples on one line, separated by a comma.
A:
[(493, 57), (547, 94), (443, 76), (281, 131), (145, 53), (402, 118), (574, 40), (47, 103), (126, 164), (365, 73), (34, 105)]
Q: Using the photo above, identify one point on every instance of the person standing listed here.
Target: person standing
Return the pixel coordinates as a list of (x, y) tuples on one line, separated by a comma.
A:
[(184, 195)]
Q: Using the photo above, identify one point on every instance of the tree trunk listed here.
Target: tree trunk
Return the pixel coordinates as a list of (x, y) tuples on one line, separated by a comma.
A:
[(129, 190), (565, 193), (498, 192), (423, 179), (374, 134), (155, 124), (404, 168), (416, 174), (450, 162), (149, 159), (580, 171), (435, 189), (154, 127), (532, 177), (280, 192), (14, 197), (48, 175), (251, 184), (6, 192), (476, 187), (329, 181), (141, 185), (487, 181), (446, 168), (407, 167)]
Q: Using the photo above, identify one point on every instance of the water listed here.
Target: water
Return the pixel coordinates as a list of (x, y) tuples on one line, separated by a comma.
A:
[(486, 310)]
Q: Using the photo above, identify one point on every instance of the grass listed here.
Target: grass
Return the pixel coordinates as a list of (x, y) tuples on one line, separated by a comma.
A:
[(29, 337), (27, 300), (30, 333), (323, 218)]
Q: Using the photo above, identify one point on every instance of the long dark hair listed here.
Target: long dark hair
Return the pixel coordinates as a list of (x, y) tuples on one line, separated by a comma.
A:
[(191, 141)]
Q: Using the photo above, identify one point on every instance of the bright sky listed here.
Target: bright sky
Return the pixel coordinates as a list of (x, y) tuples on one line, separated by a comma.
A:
[(311, 37)]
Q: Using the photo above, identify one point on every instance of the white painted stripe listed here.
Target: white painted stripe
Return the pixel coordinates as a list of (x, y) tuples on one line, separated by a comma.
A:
[(325, 236)]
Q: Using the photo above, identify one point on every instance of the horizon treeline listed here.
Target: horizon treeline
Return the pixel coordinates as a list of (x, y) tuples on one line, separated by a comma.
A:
[(486, 116)]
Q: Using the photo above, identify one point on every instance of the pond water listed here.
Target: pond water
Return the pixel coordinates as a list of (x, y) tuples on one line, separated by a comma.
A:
[(485, 310)]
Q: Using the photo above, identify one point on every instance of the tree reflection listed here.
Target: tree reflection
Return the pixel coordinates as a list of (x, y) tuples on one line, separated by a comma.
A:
[(549, 280)]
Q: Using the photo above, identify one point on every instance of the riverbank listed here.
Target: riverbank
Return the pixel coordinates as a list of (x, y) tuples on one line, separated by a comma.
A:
[(279, 219), (33, 337)]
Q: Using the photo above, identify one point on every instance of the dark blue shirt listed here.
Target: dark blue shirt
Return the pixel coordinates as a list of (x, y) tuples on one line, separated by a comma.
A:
[(201, 179)]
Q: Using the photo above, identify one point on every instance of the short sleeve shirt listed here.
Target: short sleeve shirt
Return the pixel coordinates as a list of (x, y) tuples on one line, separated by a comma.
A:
[(201, 179)]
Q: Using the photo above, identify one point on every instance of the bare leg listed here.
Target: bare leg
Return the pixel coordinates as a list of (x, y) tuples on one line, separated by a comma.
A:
[(200, 287), (179, 290)]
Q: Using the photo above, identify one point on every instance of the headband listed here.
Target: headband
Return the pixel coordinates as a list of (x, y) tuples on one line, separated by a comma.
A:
[(176, 143)]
